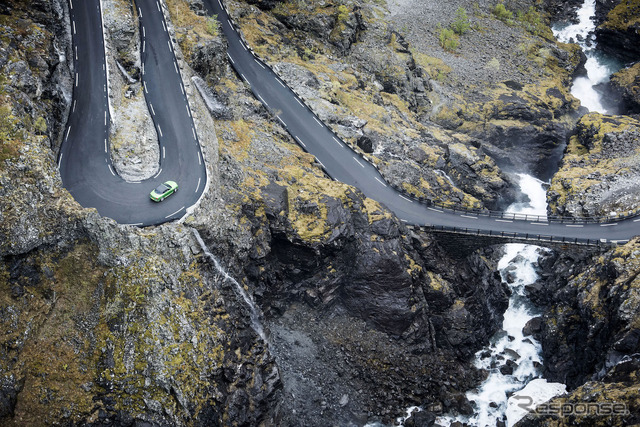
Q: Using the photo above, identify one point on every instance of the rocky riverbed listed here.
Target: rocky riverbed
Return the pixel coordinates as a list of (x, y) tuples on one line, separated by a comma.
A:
[(364, 317)]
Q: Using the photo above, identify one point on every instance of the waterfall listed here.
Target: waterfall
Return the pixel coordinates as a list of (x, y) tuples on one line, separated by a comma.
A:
[(512, 359), (239, 290), (598, 66)]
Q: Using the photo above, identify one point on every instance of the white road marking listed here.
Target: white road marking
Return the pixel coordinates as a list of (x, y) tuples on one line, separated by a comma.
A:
[(538, 223), (260, 64), (164, 26), (68, 130), (169, 44), (220, 3), (74, 105), (436, 210), (152, 110), (300, 102), (468, 216), (145, 87), (281, 121), (381, 181), (403, 220), (194, 133), (158, 174), (244, 78), (198, 187), (105, 146), (176, 67), (320, 163), (169, 216), (188, 111), (76, 53), (230, 24), (609, 225), (263, 101), (144, 32), (182, 88), (158, 4), (60, 160), (105, 118), (76, 79), (111, 170), (408, 200), (163, 153), (358, 161), (140, 11), (144, 45), (300, 142), (504, 220), (318, 121), (135, 225), (74, 27), (575, 225), (231, 59), (160, 130), (337, 141), (71, 2), (200, 158), (636, 220)]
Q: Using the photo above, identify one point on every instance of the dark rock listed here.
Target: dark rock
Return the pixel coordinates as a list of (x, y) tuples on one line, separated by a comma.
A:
[(533, 327), (420, 419)]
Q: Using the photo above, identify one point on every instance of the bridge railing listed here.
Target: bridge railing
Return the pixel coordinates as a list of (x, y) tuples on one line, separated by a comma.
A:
[(522, 236)]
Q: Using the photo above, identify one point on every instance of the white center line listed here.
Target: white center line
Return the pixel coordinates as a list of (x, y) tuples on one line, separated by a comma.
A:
[(198, 187), (609, 225), (504, 220), (111, 170), (381, 182), (152, 110), (468, 216), (169, 216), (408, 200), (160, 130), (358, 161), (575, 225), (538, 223)]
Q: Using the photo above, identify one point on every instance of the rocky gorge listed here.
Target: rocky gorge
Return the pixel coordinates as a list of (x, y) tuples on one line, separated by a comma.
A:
[(109, 324)]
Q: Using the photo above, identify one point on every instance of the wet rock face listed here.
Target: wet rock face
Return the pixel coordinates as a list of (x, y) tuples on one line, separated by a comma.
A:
[(562, 10), (619, 33), (626, 83)]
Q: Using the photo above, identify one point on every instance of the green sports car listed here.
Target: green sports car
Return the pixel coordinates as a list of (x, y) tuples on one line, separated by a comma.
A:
[(163, 191)]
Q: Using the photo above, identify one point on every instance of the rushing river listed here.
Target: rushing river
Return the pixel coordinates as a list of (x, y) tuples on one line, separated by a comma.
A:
[(599, 67)]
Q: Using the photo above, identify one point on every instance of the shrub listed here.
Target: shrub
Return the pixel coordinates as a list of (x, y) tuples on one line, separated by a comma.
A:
[(461, 23), (213, 27), (532, 21), (502, 13), (343, 13), (40, 125), (448, 39)]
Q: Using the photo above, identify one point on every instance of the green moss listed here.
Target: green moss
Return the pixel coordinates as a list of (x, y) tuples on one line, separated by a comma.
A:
[(624, 16)]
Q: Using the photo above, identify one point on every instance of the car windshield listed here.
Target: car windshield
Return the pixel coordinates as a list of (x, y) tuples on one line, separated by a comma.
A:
[(161, 189)]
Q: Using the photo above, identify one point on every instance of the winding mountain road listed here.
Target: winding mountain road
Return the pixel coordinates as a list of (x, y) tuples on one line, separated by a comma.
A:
[(87, 172), (343, 164), (85, 161)]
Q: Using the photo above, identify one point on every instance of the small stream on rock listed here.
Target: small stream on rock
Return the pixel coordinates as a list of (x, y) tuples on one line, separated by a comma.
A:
[(590, 89), (237, 287)]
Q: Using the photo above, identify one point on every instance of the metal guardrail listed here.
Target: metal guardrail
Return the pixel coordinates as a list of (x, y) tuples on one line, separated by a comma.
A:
[(425, 200)]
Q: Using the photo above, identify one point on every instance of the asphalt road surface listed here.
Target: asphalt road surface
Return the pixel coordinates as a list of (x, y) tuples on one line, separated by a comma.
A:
[(85, 161), (343, 164)]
